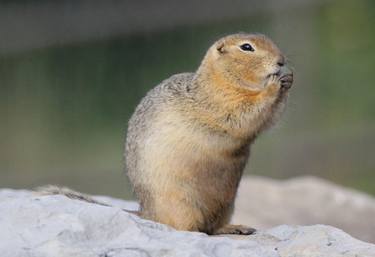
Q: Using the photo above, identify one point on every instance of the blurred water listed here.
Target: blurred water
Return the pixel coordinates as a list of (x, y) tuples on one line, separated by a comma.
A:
[(64, 109)]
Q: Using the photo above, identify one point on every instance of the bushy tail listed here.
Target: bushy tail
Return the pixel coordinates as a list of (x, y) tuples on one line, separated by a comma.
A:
[(56, 190)]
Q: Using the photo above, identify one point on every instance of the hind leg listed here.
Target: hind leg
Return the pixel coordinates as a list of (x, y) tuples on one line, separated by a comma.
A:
[(235, 229), (223, 226), (173, 209)]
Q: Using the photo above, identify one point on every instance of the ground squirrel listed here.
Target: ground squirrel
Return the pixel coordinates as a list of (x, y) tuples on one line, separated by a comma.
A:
[(189, 138)]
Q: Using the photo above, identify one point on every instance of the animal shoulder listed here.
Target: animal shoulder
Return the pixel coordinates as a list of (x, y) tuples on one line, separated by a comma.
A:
[(174, 86)]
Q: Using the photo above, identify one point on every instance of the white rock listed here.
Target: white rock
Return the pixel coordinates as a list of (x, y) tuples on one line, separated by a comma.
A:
[(38, 226), (264, 203)]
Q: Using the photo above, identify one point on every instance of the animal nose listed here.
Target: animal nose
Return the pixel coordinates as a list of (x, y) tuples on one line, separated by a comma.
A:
[(281, 61)]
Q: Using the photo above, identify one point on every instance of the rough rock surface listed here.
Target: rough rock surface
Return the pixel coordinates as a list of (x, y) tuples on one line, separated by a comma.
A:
[(264, 203), (57, 226)]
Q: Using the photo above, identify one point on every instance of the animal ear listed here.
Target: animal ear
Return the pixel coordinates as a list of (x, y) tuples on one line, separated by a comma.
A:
[(220, 47)]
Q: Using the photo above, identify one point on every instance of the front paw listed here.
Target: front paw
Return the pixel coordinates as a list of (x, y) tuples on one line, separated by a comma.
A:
[(286, 81), (273, 81), (272, 86)]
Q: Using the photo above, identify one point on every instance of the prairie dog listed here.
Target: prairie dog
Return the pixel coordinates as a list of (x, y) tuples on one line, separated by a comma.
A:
[(189, 139)]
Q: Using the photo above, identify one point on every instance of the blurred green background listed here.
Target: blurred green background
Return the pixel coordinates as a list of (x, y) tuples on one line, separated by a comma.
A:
[(71, 74)]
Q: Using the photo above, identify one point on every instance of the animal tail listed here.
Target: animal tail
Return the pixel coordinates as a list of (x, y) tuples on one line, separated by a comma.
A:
[(56, 190)]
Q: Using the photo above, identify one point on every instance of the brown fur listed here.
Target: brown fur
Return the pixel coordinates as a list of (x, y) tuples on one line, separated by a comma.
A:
[(189, 138)]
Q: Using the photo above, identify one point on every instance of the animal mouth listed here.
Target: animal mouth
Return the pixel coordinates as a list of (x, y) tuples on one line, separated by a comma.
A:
[(286, 80)]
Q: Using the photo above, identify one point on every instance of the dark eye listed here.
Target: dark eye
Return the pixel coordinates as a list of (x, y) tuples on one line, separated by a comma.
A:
[(247, 47)]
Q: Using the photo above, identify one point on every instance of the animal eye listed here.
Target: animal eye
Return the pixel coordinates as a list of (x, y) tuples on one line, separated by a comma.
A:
[(247, 47)]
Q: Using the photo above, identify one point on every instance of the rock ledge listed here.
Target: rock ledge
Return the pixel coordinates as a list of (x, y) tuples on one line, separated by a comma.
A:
[(57, 226)]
